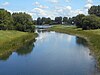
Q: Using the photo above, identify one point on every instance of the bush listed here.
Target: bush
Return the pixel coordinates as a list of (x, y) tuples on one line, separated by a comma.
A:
[(90, 22)]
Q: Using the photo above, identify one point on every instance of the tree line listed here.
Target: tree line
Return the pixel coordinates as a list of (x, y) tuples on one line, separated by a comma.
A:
[(49, 21), (16, 21), (91, 21), (24, 22)]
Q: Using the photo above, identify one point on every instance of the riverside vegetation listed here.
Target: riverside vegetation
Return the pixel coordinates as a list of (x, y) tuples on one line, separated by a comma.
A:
[(16, 30), (87, 26), (12, 40)]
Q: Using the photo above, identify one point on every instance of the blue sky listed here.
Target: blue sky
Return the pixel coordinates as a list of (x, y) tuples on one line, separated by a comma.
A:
[(49, 8)]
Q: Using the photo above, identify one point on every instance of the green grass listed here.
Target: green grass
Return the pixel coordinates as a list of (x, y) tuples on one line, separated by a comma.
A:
[(12, 40), (92, 36)]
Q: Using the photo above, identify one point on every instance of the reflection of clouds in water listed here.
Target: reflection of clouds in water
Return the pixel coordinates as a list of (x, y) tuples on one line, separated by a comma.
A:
[(52, 32), (69, 38), (43, 36)]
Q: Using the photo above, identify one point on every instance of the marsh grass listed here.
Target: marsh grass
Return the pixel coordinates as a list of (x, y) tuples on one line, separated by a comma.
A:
[(92, 37), (12, 40)]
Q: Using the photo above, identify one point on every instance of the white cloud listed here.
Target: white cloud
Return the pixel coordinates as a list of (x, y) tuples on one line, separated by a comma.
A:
[(68, 1), (5, 4), (68, 7), (43, 7), (38, 12), (89, 1), (53, 1), (87, 6), (37, 4)]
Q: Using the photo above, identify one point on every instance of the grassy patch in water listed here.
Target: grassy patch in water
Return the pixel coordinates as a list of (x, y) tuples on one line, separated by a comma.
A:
[(92, 36), (12, 40)]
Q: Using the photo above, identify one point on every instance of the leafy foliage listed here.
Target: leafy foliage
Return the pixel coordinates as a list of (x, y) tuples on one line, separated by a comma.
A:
[(17, 21), (91, 22), (23, 22), (94, 10), (78, 20), (58, 20), (6, 20)]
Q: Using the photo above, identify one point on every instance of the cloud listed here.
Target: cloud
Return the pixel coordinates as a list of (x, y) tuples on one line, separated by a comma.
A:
[(89, 1), (87, 6), (5, 4), (38, 12), (53, 1), (37, 4), (67, 1)]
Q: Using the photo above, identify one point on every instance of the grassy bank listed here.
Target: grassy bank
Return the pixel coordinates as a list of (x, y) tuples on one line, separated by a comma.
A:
[(11, 40), (92, 36)]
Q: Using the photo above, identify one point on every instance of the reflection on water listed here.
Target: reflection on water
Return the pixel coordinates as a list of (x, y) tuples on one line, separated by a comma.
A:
[(53, 54), (26, 49), (6, 56), (81, 41)]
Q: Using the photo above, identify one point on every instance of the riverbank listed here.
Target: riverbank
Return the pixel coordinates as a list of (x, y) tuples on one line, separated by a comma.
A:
[(92, 36), (12, 40)]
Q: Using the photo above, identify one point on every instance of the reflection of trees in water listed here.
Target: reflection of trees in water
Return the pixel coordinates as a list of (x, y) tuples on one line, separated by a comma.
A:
[(81, 41), (42, 30), (26, 49), (6, 56)]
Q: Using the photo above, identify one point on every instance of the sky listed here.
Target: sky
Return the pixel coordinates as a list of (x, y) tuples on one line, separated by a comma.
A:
[(49, 8)]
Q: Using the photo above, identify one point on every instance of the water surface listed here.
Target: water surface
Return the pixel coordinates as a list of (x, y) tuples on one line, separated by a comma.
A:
[(52, 54)]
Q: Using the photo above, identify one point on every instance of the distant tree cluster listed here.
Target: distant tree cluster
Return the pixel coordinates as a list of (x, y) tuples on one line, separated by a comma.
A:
[(16, 21), (92, 21), (56, 21), (43, 21), (24, 22), (95, 10)]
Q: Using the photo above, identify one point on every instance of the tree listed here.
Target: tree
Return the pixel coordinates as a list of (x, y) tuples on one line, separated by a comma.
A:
[(39, 21), (23, 22), (94, 10), (78, 20), (58, 20), (6, 21), (90, 22), (65, 20), (48, 21)]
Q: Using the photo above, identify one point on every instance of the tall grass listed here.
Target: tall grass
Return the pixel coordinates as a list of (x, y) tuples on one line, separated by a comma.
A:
[(92, 36), (12, 40)]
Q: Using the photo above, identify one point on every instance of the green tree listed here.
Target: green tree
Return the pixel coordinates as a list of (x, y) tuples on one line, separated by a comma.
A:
[(78, 20), (90, 22), (58, 20), (39, 21), (94, 10), (65, 20), (6, 21), (23, 22)]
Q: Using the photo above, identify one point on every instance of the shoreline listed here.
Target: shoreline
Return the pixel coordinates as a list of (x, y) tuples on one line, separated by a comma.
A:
[(17, 42), (83, 34)]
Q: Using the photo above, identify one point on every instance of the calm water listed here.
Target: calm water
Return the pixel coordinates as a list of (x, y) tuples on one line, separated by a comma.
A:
[(52, 54)]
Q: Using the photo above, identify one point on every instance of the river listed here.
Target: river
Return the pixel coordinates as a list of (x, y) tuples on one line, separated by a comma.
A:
[(51, 54)]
